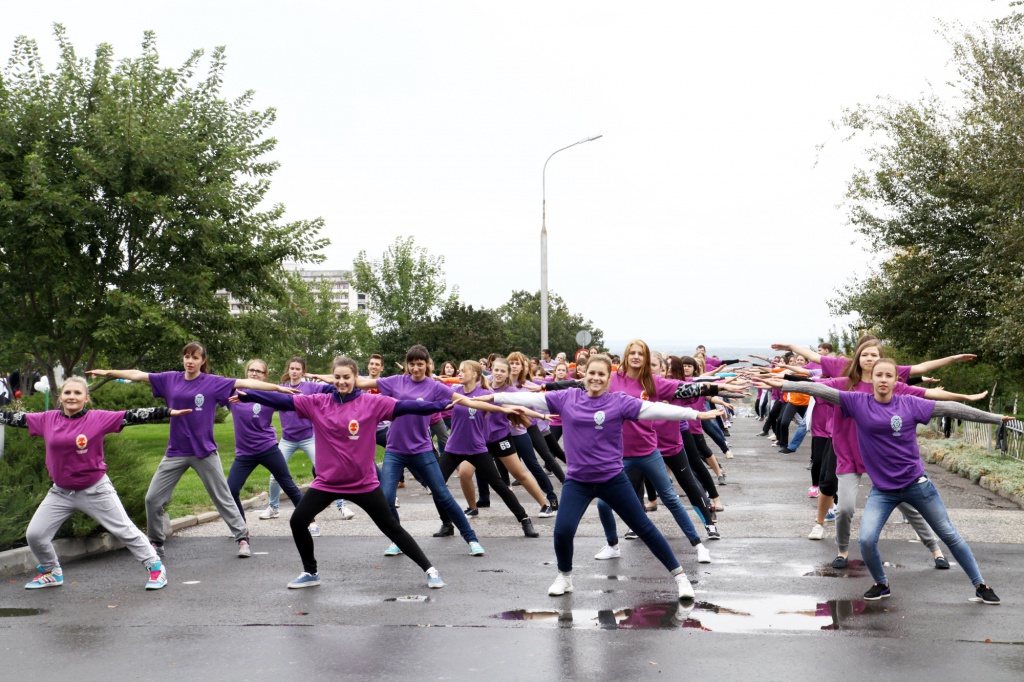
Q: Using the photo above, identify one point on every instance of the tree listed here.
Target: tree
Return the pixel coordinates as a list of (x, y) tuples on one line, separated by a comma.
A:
[(521, 315), (405, 285), (461, 332), (941, 201), (130, 194)]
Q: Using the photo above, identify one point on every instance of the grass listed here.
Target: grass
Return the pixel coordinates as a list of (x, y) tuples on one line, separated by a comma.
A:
[(1002, 474), (190, 497)]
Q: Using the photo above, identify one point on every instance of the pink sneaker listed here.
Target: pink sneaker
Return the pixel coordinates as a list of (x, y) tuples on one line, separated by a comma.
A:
[(812, 491)]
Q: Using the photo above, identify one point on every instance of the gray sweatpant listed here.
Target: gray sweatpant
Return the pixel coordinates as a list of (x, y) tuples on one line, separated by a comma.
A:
[(211, 473), (100, 502), (848, 484)]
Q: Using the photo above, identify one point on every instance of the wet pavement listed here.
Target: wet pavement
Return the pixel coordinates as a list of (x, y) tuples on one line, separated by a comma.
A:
[(769, 606)]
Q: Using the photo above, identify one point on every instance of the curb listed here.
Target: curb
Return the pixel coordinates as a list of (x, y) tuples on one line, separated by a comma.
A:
[(21, 560), (991, 484)]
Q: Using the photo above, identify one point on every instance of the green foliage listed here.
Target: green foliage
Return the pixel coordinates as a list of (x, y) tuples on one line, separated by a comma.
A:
[(461, 332), (521, 315), (24, 482), (130, 193)]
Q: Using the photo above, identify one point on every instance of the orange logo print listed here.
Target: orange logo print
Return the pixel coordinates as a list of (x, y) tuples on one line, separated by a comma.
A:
[(81, 441), (643, 396), (353, 427)]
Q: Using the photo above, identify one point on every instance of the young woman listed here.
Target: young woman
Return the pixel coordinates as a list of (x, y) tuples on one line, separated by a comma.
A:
[(697, 451), (408, 443), (534, 444), (74, 460), (345, 423), (887, 436), (448, 371), (593, 421), (256, 445), (467, 445), (554, 432), (191, 444)]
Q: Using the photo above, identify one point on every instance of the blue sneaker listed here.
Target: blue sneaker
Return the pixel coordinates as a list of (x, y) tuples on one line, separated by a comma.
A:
[(476, 549), (157, 575), (52, 579), (831, 516), (305, 580), (434, 579), (392, 550)]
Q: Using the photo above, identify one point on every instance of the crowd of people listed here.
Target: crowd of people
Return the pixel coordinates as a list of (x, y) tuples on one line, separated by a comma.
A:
[(626, 429)]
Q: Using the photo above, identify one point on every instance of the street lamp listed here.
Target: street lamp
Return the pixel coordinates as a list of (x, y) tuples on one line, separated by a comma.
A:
[(544, 244)]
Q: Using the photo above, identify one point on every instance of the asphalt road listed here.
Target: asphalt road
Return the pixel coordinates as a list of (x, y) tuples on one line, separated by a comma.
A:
[(768, 607)]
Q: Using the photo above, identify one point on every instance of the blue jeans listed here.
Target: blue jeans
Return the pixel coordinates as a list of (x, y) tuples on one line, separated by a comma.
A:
[(715, 434), (618, 493), (925, 499), (288, 448), (424, 467), (801, 431), (653, 467)]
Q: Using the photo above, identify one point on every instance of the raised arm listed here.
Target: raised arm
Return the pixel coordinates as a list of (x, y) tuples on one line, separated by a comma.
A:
[(932, 365), (129, 374), (811, 355)]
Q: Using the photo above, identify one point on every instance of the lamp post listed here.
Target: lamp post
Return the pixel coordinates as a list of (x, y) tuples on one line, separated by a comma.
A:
[(544, 244)]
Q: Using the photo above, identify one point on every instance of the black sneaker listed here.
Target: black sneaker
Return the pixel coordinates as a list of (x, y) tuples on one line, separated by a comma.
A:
[(786, 451), (631, 535), (553, 503), (840, 562), (881, 591), (713, 533), (483, 504), (762, 434), (446, 531), (984, 594), (546, 512), (942, 563), (471, 511)]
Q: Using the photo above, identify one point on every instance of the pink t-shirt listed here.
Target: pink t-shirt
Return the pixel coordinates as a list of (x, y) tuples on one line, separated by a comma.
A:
[(345, 439), (74, 445), (638, 437), (844, 429), (834, 367)]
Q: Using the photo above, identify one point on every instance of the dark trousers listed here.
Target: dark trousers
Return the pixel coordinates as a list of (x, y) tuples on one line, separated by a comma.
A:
[(273, 461), (485, 468), (696, 452)]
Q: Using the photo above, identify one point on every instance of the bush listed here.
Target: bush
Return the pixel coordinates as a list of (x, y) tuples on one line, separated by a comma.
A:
[(116, 395), (24, 483)]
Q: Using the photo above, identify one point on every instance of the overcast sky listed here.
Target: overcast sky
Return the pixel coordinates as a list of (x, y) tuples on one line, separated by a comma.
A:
[(706, 212)]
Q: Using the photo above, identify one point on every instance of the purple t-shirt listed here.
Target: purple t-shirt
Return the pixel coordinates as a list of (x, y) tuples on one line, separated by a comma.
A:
[(74, 445), (844, 429), (293, 427), (410, 433), (346, 439), (834, 367), (469, 426), (254, 430), (593, 431), (192, 434), (639, 438), (887, 436), (498, 424)]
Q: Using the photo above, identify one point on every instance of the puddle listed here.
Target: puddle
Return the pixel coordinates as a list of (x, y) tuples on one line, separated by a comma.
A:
[(491, 570), (18, 613), (781, 614), (855, 568), (410, 599), (276, 625), (643, 579)]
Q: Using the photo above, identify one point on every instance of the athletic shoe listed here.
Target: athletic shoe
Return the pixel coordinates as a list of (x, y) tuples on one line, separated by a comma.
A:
[(831, 515), (347, 514), (728, 454), (269, 513), (244, 551), (762, 434), (471, 511), (812, 491), (445, 531), (305, 580), (703, 555), (608, 552), (984, 594), (476, 549), (483, 504), (685, 588), (158, 547), (877, 591), (434, 581), (651, 507), (721, 479), (631, 534), (157, 575), (553, 503), (941, 563), (45, 579), (392, 550), (682, 613), (528, 529), (719, 508), (546, 512), (817, 533), (516, 482), (786, 451), (398, 502), (713, 533), (840, 561), (562, 584), (314, 530)]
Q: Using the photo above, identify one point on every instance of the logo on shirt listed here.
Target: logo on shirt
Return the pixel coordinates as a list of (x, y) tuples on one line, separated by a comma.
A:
[(599, 419), (353, 430), (644, 396), (472, 413), (199, 402), (81, 442), (896, 423), (256, 407)]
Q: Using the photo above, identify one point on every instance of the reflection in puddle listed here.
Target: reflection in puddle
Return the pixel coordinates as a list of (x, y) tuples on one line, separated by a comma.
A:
[(782, 613), (18, 613), (639, 579), (854, 569), (410, 599)]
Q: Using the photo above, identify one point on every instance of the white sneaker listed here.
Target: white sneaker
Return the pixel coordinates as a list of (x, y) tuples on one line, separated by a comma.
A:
[(728, 454), (703, 555), (347, 514), (562, 584), (244, 551), (685, 588), (817, 533), (608, 552), (314, 530), (270, 513)]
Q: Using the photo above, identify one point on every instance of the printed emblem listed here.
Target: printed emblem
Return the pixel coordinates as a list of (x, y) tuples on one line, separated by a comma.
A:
[(353, 427), (199, 401), (599, 419), (256, 407), (896, 423), (644, 396), (472, 413), (81, 441)]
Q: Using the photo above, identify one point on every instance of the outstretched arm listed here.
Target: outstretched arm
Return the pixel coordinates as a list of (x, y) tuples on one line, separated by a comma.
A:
[(943, 394), (664, 411), (811, 355), (129, 374), (958, 411), (932, 365), (144, 415), (826, 393), (15, 419), (279, 401), (256, 385)]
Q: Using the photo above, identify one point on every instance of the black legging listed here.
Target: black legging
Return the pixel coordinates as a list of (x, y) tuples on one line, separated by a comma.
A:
[(376, 507), (485, 468), (552, 440), (696, 460), (540, 446), (773, 416), (679, 465), (817, 455)]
